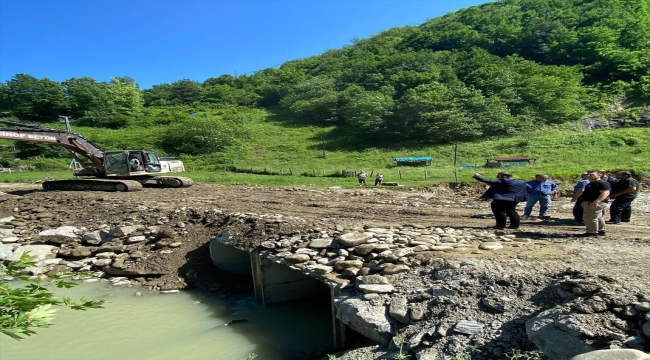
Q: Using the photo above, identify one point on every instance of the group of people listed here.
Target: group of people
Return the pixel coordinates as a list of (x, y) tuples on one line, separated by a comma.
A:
[(591, 196), (361, 176)]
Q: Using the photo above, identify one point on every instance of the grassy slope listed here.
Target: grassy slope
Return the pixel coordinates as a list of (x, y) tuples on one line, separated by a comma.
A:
[(561, 153)]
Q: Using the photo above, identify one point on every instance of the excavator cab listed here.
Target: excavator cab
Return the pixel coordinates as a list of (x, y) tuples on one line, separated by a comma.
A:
[(131, 162)]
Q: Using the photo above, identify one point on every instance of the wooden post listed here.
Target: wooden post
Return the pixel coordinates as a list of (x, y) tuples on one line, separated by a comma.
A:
[(400, 174), (314, 172), (425, 175), (290, 172), (371, 172), (455, 161), (323, 141)]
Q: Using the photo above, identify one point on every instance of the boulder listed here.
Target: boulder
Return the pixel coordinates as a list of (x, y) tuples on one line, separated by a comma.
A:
[(75, 253), (553, 341), (614, 354), (5, 251), (97, 237), (364, 249), (35, 252), (297, 258), (491, 246), (321, 269), (373, 279), (369, 320), (61, 235), (342, 265), (399, 309), (468, 327), (395, 269), (353, 238), (6, 233), (376, 288), (320, 243)]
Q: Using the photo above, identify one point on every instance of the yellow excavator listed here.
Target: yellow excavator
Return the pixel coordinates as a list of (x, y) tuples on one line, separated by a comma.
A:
[(119, 170)]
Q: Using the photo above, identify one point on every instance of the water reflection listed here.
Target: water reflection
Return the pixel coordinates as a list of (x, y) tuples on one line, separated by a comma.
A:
[(175, 326)]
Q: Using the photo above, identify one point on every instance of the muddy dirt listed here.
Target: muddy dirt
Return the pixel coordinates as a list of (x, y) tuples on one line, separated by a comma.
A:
[(188, 217)]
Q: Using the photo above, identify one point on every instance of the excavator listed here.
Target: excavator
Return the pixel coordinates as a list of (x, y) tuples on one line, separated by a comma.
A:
[(119, 170)]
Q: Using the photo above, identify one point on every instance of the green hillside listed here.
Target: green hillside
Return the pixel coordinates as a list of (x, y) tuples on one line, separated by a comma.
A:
[(565, 81)]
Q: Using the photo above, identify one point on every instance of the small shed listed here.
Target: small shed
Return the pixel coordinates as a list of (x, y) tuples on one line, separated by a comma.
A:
[(498, 162), (414, 161)]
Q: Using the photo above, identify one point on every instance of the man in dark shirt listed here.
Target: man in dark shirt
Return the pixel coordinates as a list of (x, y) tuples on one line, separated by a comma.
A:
[(506, 193), (594, 201), (624, 191)]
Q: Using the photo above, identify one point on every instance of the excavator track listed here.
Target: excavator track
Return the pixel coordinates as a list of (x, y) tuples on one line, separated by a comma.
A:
[(166, 182), (93, 185)]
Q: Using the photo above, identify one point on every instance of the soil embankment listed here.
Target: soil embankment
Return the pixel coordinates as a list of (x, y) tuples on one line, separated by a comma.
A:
[(454, 282)]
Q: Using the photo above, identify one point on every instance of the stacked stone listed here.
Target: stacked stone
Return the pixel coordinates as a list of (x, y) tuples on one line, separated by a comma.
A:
[(375, 250)]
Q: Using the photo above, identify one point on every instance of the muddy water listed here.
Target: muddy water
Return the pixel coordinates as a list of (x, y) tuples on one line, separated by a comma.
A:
[(185, 325)]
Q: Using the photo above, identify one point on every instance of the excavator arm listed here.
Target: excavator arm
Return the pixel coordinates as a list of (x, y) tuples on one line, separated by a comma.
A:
[(74, 143)]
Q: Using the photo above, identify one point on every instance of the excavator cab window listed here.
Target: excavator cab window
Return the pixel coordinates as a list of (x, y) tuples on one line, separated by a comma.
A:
[(116, 162), (151, 162)]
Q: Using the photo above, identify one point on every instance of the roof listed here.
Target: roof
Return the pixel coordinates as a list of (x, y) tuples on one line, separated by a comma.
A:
[(415, 158), (519, 158)]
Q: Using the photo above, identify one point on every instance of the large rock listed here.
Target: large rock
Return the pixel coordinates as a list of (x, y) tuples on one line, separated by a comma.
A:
[(469, 327), (297, 258), (5, 251), (615, 354), (554, 342), (353, 238), (399, 309), (342, 265), (97, 237), (376, 288), (119, 231), (369, 320), (373, 279), (365, 249), (61, 235), (35, 252), (320, 243), (395, 269), (6, 233)]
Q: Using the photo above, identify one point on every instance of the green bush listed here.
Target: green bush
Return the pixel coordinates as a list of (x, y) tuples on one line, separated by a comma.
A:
[(51, 164)]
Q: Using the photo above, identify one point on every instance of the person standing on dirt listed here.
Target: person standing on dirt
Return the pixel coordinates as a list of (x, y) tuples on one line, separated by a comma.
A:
[(541, 190), (624, 191), (379, 179), (578, 189), (362, 177), (594, 202), (505, 193)]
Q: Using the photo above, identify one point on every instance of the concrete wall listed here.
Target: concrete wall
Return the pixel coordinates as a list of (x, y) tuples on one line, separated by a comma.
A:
[(229, 258), (277, 283)]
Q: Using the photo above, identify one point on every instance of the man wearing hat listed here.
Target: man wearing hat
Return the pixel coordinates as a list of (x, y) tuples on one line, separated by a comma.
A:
[(577, 192)]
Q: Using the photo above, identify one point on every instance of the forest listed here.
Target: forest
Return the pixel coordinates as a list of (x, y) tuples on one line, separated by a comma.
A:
[(493, 70)]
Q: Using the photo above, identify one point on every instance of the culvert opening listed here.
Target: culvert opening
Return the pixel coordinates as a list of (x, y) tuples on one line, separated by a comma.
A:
[(306, 302)]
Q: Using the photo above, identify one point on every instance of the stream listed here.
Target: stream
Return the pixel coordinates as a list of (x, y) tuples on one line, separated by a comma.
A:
[(186, 325)]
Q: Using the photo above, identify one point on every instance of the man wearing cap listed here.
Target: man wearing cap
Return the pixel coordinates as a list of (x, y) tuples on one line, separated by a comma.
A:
[(506, 193), (541, 189), (624, 191), (578, 189)]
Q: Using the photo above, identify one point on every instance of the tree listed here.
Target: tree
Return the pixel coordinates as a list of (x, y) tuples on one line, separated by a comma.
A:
[(22, 309)]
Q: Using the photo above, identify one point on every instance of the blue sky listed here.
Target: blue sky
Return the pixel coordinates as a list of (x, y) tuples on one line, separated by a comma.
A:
[(162, 41)]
